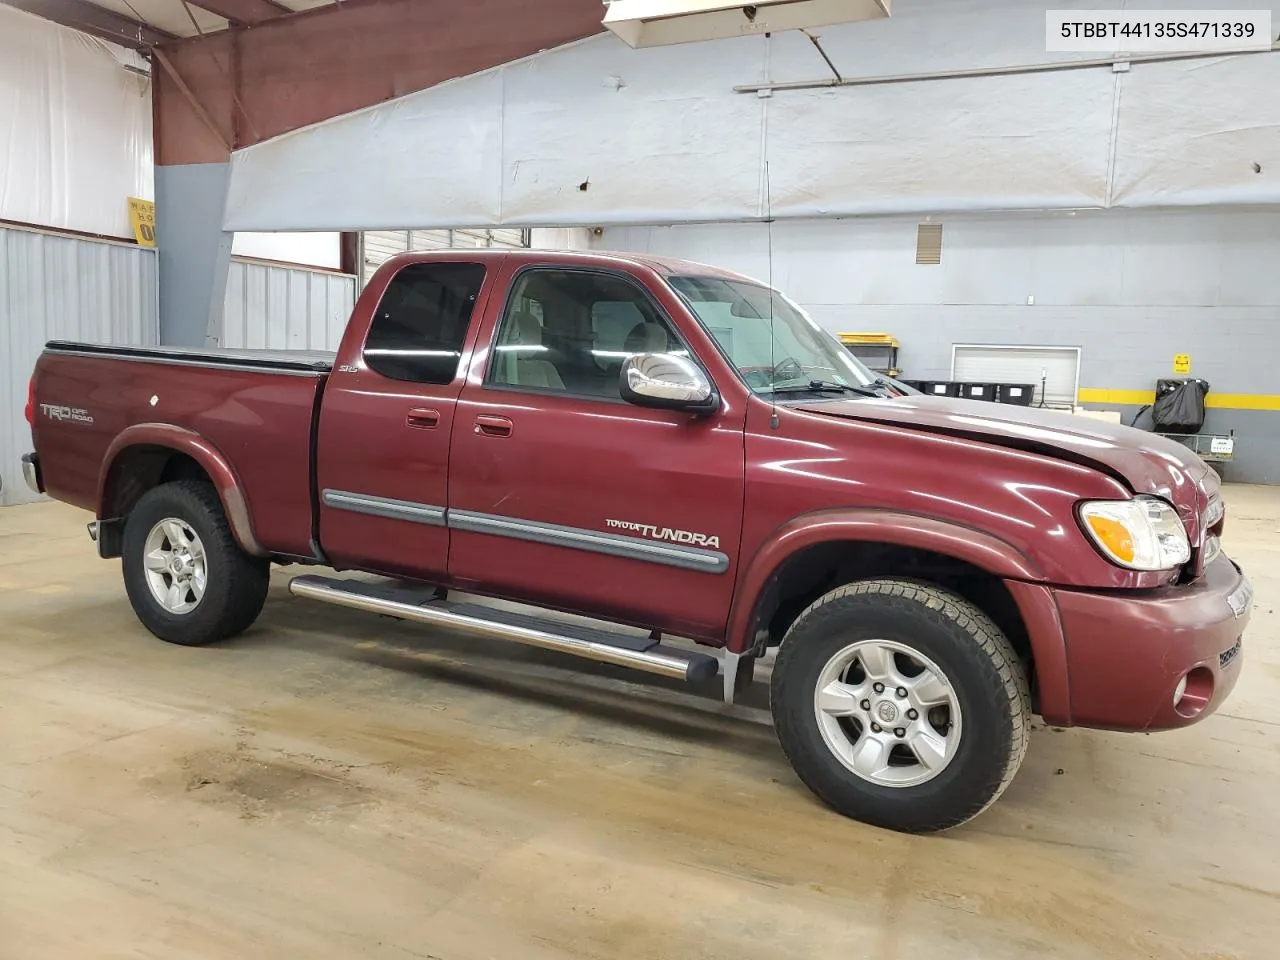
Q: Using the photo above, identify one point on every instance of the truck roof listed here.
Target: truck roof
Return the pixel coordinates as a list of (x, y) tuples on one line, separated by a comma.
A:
[(666, 266)]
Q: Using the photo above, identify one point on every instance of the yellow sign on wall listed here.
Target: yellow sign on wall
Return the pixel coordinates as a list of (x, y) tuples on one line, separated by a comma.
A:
[(142, 217), (1182, 363)]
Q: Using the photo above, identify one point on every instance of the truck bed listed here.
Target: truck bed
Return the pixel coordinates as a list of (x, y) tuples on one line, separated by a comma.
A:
[(256, 409), (305, 361)]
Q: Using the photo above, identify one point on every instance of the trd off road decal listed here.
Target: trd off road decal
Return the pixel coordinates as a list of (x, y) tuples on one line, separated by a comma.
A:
[(56, 411)]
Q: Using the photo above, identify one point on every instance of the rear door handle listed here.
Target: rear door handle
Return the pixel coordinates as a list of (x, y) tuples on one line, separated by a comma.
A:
[(423, 418), (492, 426)]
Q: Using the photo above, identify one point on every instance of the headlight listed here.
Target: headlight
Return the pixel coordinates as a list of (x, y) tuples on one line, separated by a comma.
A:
[(1144, 533)]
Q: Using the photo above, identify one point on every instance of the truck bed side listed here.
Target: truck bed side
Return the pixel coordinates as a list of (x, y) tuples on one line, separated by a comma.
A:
[(256, 409)]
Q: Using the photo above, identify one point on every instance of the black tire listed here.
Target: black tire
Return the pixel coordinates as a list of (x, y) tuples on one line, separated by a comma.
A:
[(985, 674), (237, 583)]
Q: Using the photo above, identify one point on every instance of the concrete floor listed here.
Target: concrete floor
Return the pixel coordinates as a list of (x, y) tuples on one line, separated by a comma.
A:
[(339, 785)]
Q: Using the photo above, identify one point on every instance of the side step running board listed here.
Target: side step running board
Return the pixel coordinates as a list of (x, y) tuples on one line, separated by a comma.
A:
[(638, 653)]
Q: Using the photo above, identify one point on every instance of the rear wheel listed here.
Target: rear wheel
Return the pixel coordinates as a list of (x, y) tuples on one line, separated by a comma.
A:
[(901, 705), (187, 579)]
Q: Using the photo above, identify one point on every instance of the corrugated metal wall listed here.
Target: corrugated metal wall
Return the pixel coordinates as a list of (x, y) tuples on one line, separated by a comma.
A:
[(285, 308), (56, 287)]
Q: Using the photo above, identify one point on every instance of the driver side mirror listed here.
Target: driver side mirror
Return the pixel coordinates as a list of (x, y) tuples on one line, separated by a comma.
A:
[(667, 382)]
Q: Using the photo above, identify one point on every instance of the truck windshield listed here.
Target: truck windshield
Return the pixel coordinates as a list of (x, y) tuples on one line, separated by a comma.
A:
[(777, 347)]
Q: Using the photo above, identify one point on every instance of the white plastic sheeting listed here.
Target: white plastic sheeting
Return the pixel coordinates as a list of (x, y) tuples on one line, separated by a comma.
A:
[(1200, 132), (75, 128), (595, 133), (279, 308), (388, 163), (62, 288)]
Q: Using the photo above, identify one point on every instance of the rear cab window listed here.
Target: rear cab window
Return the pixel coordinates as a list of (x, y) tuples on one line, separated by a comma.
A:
[(421, 322)]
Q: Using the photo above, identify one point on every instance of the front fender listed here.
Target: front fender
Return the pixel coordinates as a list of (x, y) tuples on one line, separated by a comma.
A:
[(870, 526), (188, 442)]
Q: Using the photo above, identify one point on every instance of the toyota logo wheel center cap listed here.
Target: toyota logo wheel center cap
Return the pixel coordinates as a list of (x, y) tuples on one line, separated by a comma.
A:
[(886, 711)]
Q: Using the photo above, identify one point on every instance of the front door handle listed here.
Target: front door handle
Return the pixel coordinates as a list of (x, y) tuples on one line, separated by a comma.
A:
[(423, 418), (492, 426)]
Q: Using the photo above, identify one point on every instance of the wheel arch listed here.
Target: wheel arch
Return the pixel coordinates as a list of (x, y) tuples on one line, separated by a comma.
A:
[(813, 554), (146, 455)]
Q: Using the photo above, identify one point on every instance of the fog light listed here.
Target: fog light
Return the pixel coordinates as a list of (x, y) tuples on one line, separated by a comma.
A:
[(1193, 692)]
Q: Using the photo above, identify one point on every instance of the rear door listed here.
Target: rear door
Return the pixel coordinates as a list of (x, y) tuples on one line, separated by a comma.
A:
[(563, 494), (387, 418)]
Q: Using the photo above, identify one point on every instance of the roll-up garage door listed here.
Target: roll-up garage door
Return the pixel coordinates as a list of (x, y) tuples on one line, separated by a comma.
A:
[(381, 245), (1058, 367)]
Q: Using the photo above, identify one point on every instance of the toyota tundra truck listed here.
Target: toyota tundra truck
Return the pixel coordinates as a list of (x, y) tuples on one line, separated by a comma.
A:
[(668, 446)]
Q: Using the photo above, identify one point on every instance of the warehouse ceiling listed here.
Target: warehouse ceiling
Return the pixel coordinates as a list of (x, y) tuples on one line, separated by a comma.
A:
[(145, 23)]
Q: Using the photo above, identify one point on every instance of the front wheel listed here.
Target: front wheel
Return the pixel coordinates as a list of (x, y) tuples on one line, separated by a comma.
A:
[(187, 579), (901, 705)]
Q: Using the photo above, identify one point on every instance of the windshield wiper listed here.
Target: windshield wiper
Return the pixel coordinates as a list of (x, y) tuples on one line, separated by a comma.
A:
[(825, 386)]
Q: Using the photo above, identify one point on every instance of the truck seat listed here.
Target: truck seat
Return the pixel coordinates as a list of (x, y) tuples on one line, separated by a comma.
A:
[(647, 338), (524, 366)]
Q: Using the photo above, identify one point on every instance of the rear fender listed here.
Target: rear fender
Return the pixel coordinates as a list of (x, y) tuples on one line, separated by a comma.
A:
[(181, 440), (982, 550)]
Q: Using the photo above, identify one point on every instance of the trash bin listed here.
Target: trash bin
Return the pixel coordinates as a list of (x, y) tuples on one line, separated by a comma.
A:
[(940, 388), (1018, 393), (978, 391)]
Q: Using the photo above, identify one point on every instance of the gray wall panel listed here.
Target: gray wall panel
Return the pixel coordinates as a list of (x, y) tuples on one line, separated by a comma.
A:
[(67, 288), (194, 251)]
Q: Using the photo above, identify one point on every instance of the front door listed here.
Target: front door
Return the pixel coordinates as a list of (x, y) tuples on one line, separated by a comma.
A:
[(563, 494), (387, 417)]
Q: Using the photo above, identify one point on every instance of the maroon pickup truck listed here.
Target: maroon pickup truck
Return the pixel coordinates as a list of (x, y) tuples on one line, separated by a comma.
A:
[(669, 446)]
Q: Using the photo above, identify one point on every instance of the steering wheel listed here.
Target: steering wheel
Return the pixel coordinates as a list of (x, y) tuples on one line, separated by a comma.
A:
[(788, 368)]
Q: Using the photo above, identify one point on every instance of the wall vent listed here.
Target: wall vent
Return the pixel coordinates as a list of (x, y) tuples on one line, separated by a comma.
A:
[(929, 243)]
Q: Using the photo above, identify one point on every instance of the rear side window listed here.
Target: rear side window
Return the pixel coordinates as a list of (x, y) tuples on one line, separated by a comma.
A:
[(421, 322)]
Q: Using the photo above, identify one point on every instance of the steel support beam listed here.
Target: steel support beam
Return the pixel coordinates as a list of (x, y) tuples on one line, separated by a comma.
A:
[(246, 12), (96, 21)]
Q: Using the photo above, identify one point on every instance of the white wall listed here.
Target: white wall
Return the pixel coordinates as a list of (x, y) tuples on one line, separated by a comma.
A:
[(595, 133), (75, 128), (560, 238), (308, 249)]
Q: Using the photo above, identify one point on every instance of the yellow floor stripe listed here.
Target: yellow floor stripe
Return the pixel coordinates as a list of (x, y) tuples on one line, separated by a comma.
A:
[(1217, 401)]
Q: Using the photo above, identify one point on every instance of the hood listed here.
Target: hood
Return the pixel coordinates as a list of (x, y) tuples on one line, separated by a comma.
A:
[(1144, 462)]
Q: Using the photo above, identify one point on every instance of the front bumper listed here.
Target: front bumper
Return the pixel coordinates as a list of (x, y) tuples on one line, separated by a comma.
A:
[(1127, 654), (31, 472)]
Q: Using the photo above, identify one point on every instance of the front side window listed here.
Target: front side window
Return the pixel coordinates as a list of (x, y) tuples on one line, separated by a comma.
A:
[(776, 346), (421, 323), (569, 331)]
